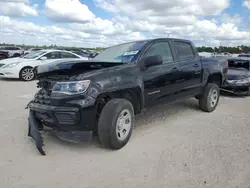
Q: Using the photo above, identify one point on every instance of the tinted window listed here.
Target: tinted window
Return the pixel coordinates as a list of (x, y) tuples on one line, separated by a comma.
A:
[(68, 55), (53, 55), (12, 48), (36, 49), (184, 50), (162, 49)]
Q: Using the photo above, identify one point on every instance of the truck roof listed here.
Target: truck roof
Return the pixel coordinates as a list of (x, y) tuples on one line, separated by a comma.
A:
[(152, 40)]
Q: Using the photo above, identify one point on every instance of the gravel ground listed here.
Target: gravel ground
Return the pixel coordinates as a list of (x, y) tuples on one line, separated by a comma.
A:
[(174, 145)]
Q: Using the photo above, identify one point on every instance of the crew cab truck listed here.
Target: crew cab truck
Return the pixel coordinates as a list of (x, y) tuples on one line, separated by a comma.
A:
[(78, 98)]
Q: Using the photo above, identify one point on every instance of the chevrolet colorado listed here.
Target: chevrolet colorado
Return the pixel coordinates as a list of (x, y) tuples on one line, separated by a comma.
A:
[(78, 98)]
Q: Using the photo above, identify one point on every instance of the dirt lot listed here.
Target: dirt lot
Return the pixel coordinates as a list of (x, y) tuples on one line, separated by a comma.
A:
[(172, 146)]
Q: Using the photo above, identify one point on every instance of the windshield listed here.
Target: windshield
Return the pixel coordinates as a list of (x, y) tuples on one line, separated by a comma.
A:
[(34, 55), (123, 53)]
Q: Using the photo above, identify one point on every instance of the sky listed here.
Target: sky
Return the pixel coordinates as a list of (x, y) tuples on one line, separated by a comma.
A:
[(102, 23)]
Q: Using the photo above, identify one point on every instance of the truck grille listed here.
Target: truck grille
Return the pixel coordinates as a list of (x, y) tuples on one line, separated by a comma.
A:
[(1, 65), (43, 97)]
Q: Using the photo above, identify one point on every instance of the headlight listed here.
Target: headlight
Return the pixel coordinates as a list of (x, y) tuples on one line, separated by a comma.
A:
[(242, 81), (71, 88), (11, 65)]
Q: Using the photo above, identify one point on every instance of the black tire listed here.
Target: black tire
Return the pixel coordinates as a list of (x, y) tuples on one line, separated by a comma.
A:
[(16, 55), (23, 78), (107, 124), (206, 101)]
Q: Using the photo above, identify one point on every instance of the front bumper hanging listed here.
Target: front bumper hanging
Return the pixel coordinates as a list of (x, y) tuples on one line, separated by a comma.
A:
[(38, 120), (34, 132)]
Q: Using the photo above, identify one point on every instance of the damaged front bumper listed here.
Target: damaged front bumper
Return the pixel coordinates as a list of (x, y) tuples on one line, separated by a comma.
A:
[(34, 132), (44, 116)]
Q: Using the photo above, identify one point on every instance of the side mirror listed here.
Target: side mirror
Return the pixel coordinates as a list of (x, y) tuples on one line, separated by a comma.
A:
[(43, 58), (153, 61)]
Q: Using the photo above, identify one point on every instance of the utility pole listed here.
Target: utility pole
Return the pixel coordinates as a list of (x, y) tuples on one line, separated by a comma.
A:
[(220, 47)]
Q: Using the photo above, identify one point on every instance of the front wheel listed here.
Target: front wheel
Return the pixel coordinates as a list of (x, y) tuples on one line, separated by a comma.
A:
[(116, 123), (209, 99), (27, 74)]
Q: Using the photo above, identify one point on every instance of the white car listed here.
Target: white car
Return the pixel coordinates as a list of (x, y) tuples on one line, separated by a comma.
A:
[(13, 51), (22, 67)]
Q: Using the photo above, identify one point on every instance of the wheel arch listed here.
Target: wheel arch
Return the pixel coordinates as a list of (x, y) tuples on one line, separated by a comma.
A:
[(16, 55), (27, 66), (134, 95), (215, 78)]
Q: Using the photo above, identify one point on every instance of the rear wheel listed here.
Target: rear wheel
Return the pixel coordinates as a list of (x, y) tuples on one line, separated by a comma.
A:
[(16, 55), (27, 74), (209, 99), (116, 123)]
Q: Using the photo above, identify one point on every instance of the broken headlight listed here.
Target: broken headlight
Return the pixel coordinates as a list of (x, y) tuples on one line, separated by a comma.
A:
[(242, 81), (72, 87)]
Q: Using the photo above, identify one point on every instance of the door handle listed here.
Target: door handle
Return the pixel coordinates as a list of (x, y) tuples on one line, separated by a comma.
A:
[(196, 65)]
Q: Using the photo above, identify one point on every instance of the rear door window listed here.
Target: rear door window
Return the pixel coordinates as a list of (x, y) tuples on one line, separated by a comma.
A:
[(184, 50), (53, 55), (68, 55)]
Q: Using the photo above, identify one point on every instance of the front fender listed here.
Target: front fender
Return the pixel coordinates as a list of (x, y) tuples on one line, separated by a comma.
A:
[(117, 80)]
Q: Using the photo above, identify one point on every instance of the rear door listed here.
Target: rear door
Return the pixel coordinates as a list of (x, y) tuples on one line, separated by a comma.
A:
[(190, 64), (161, 80)]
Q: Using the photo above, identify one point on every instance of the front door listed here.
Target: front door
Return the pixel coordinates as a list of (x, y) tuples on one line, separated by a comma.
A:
[(162, 80), (51, 57)]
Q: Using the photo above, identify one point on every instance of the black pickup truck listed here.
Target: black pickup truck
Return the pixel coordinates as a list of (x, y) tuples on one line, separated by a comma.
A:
[(78, 98)]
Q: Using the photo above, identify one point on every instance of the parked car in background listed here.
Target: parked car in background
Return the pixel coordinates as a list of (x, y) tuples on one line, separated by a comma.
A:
[(80, 53), (244, 55), (78, 98), (223, 54), (31, 50), (4, 55), (238, 76), (13, 51), (205, 54), (23, 67)]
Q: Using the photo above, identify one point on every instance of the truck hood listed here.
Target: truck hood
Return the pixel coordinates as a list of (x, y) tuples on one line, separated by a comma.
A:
[(73, 66), (237, 74)]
